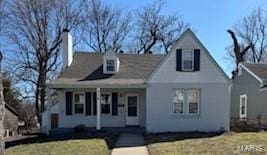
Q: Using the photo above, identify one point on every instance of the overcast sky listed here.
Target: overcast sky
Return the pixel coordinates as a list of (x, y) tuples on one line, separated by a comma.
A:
[(209, 19)]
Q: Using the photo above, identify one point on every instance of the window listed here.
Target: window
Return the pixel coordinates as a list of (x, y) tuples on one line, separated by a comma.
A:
[(193, 101), (187, 60), (79, 101), (243, 106), (110, 65), (178, 101), (186, 101), (105, 103)]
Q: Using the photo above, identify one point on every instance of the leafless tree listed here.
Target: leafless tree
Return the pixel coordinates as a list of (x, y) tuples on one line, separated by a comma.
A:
[(154, 28), (106, 27), (35, 28), (249, 38), (2, 101), (238, 50), (252, 30)]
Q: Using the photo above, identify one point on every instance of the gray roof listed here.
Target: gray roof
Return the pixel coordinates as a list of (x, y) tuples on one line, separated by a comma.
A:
[(259, 69), (87, 69)]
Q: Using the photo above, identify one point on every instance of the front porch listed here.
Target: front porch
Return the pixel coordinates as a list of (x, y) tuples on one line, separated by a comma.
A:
[(103, 109)]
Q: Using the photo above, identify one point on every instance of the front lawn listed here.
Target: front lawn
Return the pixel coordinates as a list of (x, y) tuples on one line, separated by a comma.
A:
[(92, 143), (209, 144), (64, 147)]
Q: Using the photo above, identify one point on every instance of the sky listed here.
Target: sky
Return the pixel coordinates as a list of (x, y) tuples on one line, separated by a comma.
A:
[(210, 19)]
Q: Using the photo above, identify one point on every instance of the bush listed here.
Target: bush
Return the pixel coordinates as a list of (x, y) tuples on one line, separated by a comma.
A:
[(79, 128)]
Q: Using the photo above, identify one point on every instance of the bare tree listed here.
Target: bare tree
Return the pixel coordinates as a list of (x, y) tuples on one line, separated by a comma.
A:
[(35, 28), (239, 52), (154, 28), (2, 111), (2, 101), (106, 27), (252, 30)]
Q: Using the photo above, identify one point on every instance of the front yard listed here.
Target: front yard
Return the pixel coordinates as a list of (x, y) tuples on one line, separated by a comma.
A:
[(157, 144), (224, 144), (75, 144), (66, 147)]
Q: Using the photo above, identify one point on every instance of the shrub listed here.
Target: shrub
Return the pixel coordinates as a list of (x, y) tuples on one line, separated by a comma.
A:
[(79, 128)]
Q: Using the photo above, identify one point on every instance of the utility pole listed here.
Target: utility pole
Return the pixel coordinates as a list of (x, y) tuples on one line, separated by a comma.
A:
[(2, 110)]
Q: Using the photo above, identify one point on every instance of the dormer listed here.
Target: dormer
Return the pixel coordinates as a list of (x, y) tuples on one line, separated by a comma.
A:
[(111, 62)]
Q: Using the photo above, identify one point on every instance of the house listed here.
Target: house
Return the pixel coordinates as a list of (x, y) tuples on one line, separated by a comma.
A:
[(11, 121), (185, 90), (249, 94)]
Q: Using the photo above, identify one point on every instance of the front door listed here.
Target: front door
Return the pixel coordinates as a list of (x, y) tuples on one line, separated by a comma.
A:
[(132, 116)]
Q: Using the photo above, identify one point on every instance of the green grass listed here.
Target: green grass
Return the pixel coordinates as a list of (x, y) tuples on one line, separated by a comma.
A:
[(64, 147), (226, 144)]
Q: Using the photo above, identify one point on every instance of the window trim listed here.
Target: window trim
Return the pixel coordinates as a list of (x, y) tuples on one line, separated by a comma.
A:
[(114, 66), (192, 52), (183, 102), (243, 116), (110, 104), (186, 103), (198, 101), (83, 103)]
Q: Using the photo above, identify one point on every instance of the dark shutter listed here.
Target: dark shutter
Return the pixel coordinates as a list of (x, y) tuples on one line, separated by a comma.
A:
[(115, 104), (88, 103), (179, 60), (94, 103), (68, 103), (196, 59)]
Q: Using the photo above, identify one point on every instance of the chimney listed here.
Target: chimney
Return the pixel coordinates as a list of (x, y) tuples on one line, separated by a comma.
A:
[(67, 48)]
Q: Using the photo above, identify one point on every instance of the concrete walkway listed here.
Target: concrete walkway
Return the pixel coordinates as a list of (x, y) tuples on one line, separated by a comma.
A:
[(130, 144)]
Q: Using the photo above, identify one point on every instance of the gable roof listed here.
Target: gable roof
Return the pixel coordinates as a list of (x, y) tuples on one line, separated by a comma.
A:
[(257, 70), (188, 31), (87, 69)]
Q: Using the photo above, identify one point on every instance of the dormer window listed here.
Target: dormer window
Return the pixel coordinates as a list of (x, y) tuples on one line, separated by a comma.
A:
[(111, 62), (110, 65), (187, 60)]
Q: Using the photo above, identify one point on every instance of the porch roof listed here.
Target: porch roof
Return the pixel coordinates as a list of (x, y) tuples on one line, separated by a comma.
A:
[(103, 83)]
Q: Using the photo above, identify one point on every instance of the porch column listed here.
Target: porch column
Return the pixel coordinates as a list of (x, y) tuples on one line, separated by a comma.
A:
[(98, 110), (48, 111)]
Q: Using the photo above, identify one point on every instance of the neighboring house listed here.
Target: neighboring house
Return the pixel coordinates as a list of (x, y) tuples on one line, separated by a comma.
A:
[(185, 90), (11, 121), (249, 94)]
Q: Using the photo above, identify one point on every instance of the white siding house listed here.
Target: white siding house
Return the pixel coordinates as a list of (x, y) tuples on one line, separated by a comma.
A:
[(185, 90)]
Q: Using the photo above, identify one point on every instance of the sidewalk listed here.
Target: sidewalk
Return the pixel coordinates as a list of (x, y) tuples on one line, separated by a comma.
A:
[(130, 144)]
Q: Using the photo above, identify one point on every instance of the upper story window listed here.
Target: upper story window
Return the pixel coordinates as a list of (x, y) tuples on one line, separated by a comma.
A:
[(110, 65), (187, 60)]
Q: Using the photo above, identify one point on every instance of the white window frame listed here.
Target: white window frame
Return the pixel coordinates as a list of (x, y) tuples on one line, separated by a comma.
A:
[(114, 66), (83, 102), (192, 52), (186, 102), (198, 101), (110, 104), (243, 116), (183, 102)]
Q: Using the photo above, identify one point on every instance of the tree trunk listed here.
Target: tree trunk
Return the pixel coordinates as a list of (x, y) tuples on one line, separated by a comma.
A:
[(37, 93), (2, 112)]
